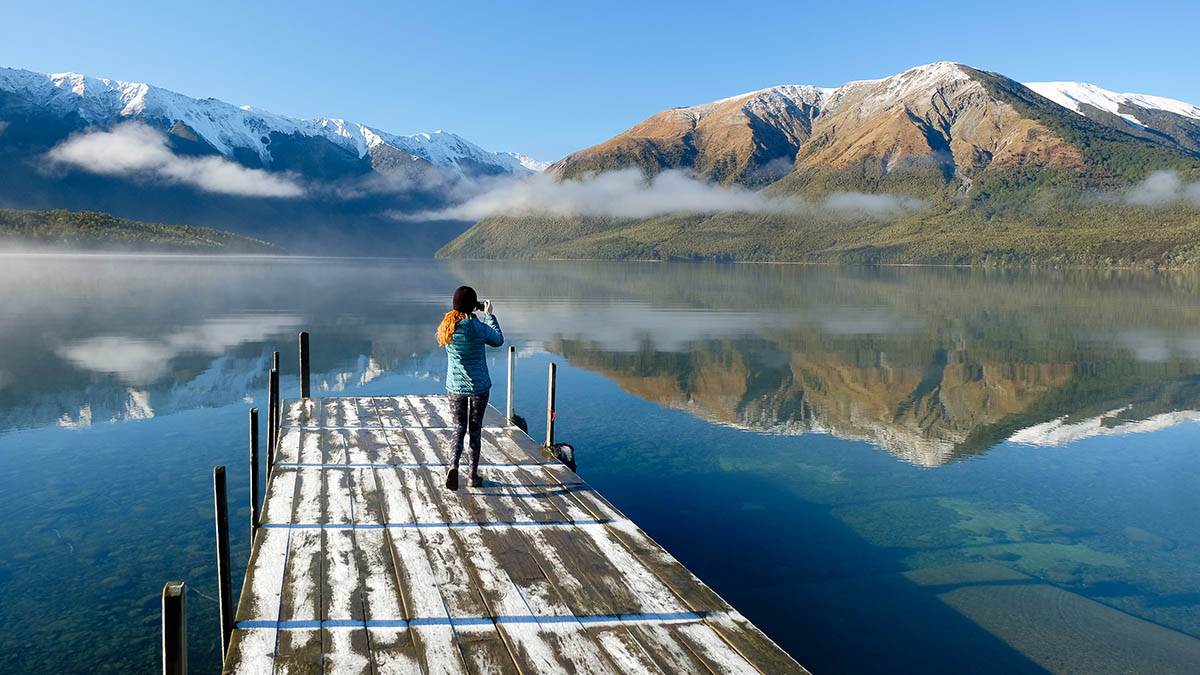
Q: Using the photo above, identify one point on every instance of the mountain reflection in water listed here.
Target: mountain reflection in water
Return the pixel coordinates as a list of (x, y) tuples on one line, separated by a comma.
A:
[(931, 365)]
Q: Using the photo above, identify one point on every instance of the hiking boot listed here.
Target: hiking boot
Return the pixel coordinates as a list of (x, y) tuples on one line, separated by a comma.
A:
[(476, 481), (452, 479)]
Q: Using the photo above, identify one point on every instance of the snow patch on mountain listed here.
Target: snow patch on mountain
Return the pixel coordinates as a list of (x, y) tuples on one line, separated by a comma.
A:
[(1074, 95), (876, 94), (1058, 432), (528, 162)]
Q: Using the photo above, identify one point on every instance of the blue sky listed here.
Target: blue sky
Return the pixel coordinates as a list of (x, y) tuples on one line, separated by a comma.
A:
[(547, 78)]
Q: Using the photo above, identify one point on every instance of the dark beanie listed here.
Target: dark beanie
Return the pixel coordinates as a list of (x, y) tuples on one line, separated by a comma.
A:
[(465, 299)]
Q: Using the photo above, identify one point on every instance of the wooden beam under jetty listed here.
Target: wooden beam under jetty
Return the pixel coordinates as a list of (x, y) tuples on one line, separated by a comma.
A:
[(365, 563)]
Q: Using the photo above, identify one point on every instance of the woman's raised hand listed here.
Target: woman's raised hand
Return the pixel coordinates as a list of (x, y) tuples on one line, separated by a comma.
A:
[(487, 306)]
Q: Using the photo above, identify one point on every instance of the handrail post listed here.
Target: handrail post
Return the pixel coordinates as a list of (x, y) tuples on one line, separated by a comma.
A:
[(550, 407), (254, 501), (304, 388), (272, 410), (512, 359), (273, 422), (174, 628), (225, 587)]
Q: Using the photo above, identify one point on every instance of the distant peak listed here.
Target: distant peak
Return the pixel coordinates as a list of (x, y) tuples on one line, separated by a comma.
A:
[(1073, 95)]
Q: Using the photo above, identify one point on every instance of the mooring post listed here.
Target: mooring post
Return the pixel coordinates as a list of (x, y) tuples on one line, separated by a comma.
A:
[(273, 414), (174, 628), (253, 473), (225, 587), (550, 408), (304, 390), (275, 360), (512, 361)]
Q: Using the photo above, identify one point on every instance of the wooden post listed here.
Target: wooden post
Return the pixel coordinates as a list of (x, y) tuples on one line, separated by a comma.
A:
[(174, 628), (273, 422), (225, 587), (512, 360), (253, 473), (304, 390), (550, 408)]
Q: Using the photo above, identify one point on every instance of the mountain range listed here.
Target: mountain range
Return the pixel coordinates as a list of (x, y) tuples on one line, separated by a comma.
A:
[(327, 179), (939, 163), (952, 119), (992, 170)]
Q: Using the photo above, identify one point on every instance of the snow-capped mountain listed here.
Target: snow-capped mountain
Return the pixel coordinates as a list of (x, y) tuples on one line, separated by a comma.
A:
[(956, 119), (1153, 116), (321, 186), (243, 133), (529, 162)]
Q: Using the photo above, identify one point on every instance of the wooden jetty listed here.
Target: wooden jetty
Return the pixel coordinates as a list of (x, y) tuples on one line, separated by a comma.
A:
[(363, 562)]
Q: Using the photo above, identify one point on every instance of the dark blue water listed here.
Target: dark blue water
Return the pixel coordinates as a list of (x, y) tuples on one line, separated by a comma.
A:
[(933, 470)]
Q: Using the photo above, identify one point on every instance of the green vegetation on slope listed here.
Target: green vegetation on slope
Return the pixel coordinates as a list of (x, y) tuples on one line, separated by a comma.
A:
[(92, 231), (1097, 235)]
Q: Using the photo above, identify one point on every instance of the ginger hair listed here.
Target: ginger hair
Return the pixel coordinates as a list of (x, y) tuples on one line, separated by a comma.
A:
[(448, 325)]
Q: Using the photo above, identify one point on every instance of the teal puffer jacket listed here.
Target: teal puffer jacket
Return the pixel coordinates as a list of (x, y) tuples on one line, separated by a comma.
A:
[(466, 366)]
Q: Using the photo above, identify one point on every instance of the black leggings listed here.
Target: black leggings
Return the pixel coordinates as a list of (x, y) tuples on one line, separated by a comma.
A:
[(467, 412)]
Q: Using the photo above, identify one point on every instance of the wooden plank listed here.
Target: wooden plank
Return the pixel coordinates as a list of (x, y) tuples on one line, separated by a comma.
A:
[(310, 450), (452, 572), (280, 491), (334, 411), (434, 411), (253, 650), (479, 567), (367, 415), (426, 413), (512, 580), (300, 650), (434, 644), (393, 412), (428, 564), (345, 646), (392, 649), (399, 450), (301, 413), (289, 446), (667, 651)]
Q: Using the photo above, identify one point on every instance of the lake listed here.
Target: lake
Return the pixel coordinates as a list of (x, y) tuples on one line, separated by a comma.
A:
[(911, 469)]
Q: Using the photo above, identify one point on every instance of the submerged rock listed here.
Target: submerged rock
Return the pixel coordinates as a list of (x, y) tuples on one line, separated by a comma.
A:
[(1146, 538)]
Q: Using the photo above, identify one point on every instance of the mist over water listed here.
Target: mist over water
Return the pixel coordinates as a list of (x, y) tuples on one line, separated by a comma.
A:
[(924, 469)]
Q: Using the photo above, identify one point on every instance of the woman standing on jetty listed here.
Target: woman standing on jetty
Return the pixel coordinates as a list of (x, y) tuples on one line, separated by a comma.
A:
[(467, 380)]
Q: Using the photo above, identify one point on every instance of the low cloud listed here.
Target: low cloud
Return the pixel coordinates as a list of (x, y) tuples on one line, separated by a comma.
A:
[(134, 149), (143, 361), (1162, 188), (873, 205), (628, 194)]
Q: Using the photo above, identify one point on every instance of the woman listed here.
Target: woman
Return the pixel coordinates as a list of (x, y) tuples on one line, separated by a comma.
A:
[(467, 381)]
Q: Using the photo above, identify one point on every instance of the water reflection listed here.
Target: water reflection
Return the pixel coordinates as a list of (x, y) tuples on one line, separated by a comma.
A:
[(931, 365), (753, 386)]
